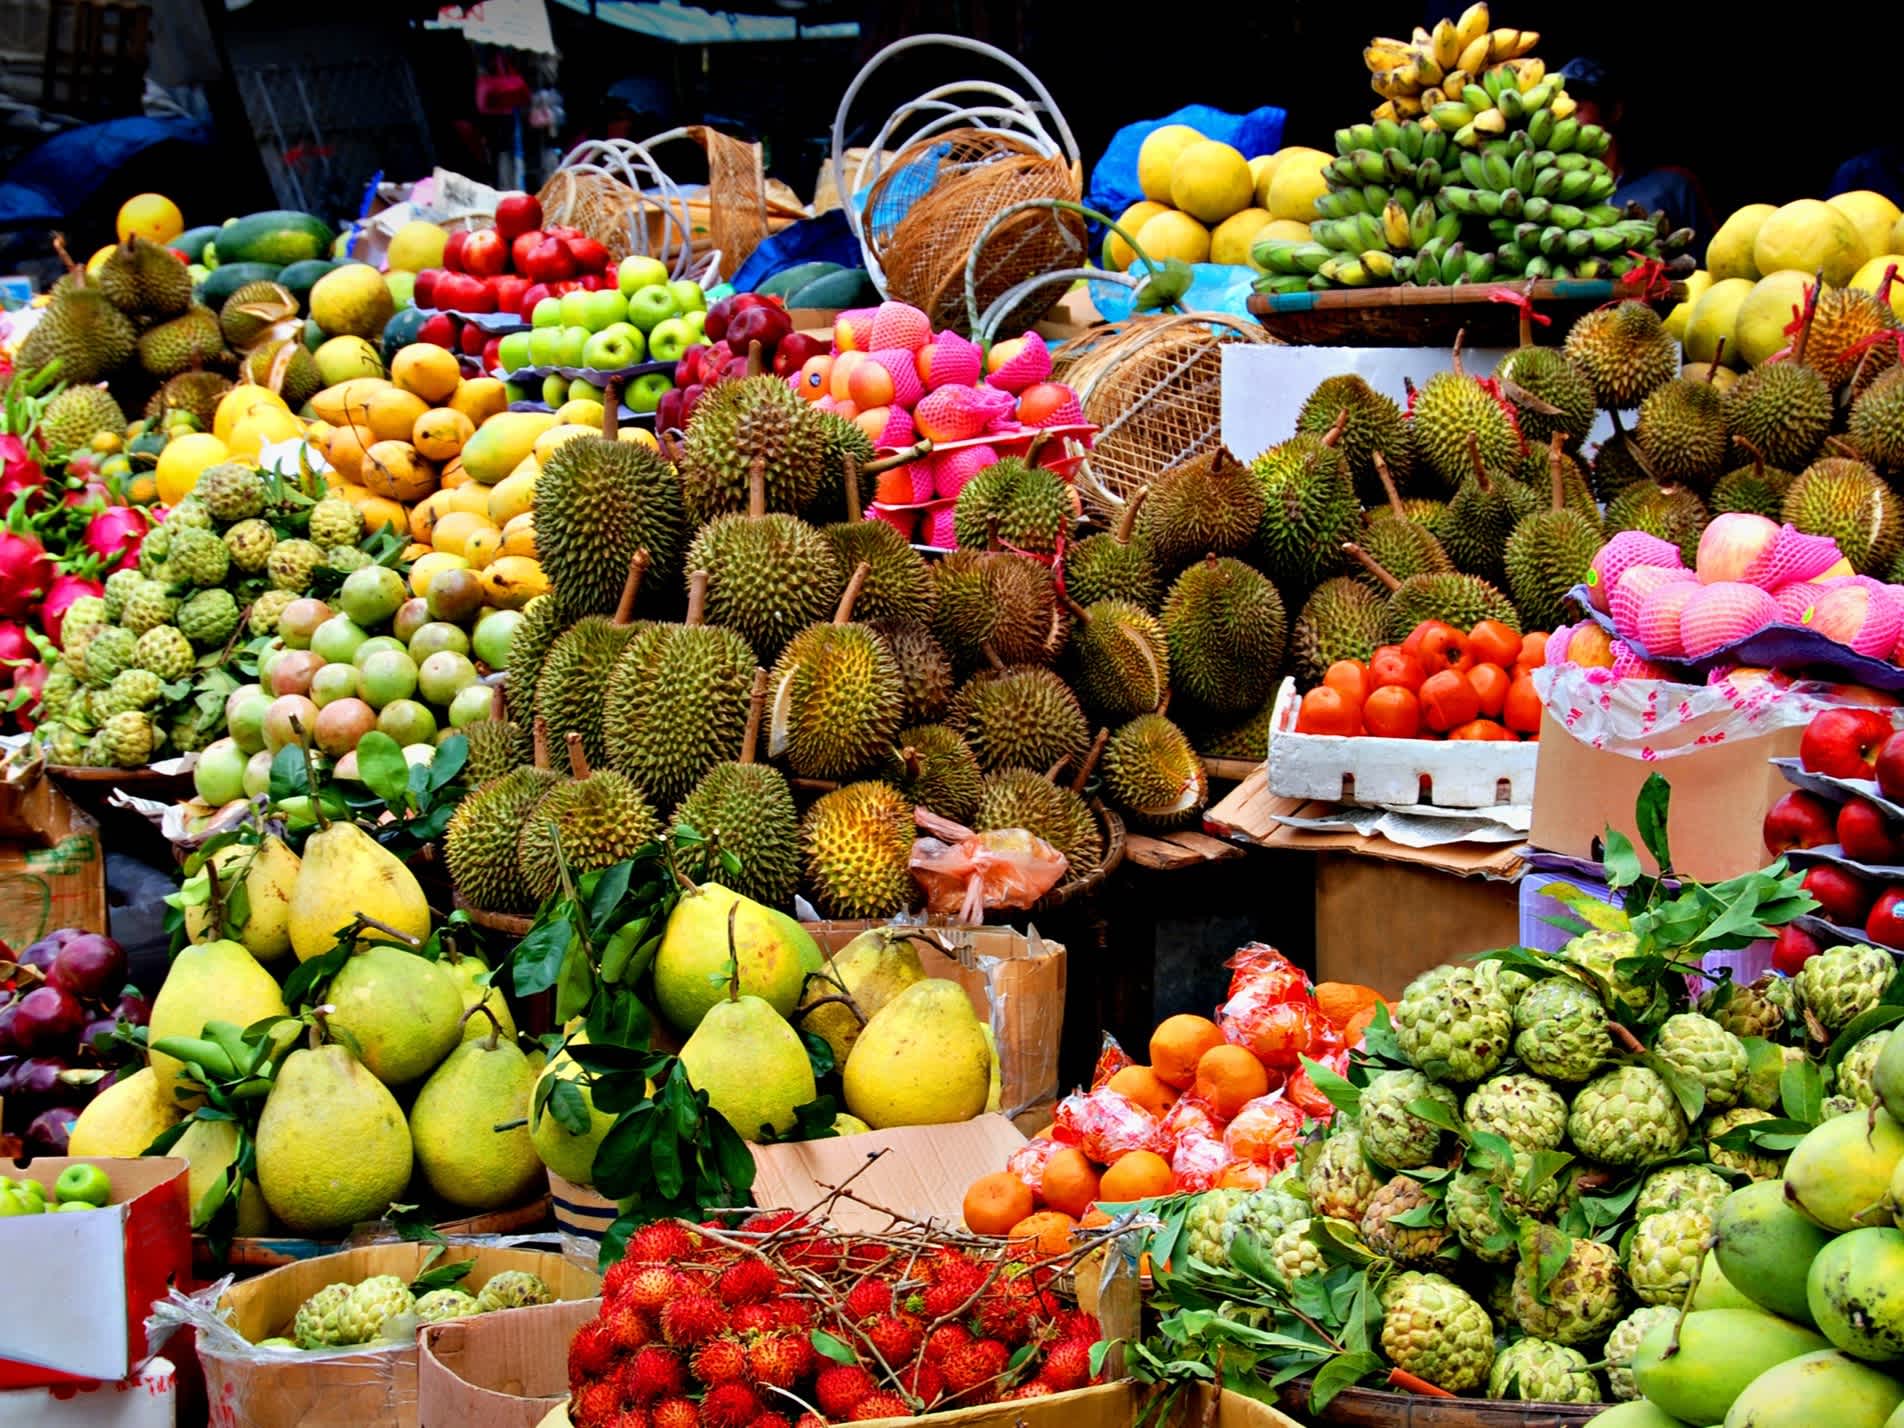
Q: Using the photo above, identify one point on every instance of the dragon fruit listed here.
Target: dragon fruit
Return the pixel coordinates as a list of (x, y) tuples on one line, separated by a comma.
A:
[(19, 472), (26, 571), (23, 699), (60, 595), (114, 535), (14, 643)]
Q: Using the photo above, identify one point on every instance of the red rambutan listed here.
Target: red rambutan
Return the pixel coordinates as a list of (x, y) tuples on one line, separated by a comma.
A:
[(1078, 1325), (675, 1413), (944, 1340), (591, 1352), (627, 1328), (719, 1360), (653, 1373), (765, 1222), (924, 1382), (792, 1313), (952, 1291), (863, 1258), (879, 1405), (770, 1420), (895, 1336), (754, 1319), (1067, 1365), (809, 1420), (948, 1261), (781, 1359), (631, 1418), (1034, 1389), (730, 1405), (692, 1318), (663, 1242), (976, 1364), (747, 1281), (869, 1297), (840, 1387), (1009, 1310), (595, 1403), (650, 1287)]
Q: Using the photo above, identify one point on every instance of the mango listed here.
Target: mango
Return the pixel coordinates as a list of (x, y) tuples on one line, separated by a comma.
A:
[(1721, 1352), (1764, 1247), (1637, 1414), (1842, 1168), (501, 442), (1715, 1291), (1856, 1293), (1815, 1389), (1888, 1076)]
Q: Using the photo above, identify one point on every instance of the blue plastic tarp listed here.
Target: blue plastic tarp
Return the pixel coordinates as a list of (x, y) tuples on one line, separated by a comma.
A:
[(1214, 287), (826, 239), (58, 178), (1114, 181)]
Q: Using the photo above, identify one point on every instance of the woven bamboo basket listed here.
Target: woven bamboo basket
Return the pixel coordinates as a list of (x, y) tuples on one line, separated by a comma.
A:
[(1381, 1408)]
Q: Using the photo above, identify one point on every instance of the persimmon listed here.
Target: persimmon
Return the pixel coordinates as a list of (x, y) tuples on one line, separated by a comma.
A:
[(1447, 700), (1390, 668), (996, 1202), (1093, 1219), (1521, 712), (1146, 1088), (1348, 678), (1137, 1175), (1049, 1232), (1326, 711), (1494, 642), (1533, 650), (1069, 1184), (1392, 712), (1489, 682), (1484, 731), (1242, 1175), (1228, 1079), (1178, 1044), (1437, 645)]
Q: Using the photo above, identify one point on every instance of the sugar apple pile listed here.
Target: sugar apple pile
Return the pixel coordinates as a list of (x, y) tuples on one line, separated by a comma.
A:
[(386, 1308), (143, 668)]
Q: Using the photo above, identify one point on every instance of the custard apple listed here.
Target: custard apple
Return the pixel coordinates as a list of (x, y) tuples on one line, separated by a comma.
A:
[(1836, 985), (65, 745), (1484, 1206), (1206, 1225), (1339, 1182), (119, 586), (1757, 1163), (109, 651), (189, 514), (316, 1324), (1764, 1083), (1624, 1341), (291, 563), (1681, 1187), (1402, 1199), (1295, 1255), (1265, 1213), (1562, 1030), (1834, 1106), (191, 731), (334, 521), (165, 651), (1662, 1259), (1610, 963), (1436, 1330), (135, 689), (231, 491), (1454, 1023), (208, 618), (1627, 1117), (85, 614), (127, 739), (441, 1304), (1697, 1046), (1393, 1135), (199, 557), (371, 1302), (1523, 1110), (1535, 1371), (154, 549), (1747, 1010), (1581, 1301), (61, 684), (512, 1289), (1855, 1070), (250, 544), (266, 609), (148, 607)]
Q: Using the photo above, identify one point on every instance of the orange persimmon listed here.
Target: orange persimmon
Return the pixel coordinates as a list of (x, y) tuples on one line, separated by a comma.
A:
[(1484, 731), (1349, 678), (1392, 712), (1490, 683), (1390, 668), (1447, 701), (1437, 645), (1533, 650), (1493, 642), (1328, 711), (1521, 713)]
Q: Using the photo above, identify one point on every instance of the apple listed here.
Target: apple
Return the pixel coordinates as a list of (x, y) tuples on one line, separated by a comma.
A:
[(513, 351), (453, 250), (517, 213), (521, 246), (1867, 836), (91, 965), (594, 282), (470, 340), (1799, 820), (1890, 767), (1885, 925), (589, 254), (1843, 898), (669, 339), (650, 307), (581, 389), (575, 309), (687, 367), (1844, 743), (604, 308), (544, 345), (533, 297), (569, 352), (492, 354), (612, 348), (555, 389), (689, 296), (455, 292), (644, 393), (485, 254), (423, 290), (690, 397), (639, 271), (668, 410), (402, 287), (509, 289), (796, 349), (549, 261), (765, 324), (47, 1019), (697, 324), (438, 330), (547, 313), (1792, 948)]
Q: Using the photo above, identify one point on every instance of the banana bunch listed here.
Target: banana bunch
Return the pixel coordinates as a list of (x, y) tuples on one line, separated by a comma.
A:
[(1415, 74), (1509, 96), (1596, 242), (1513, 178)]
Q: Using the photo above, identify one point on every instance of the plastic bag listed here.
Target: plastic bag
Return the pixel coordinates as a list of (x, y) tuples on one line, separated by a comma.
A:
[(1267, 1131), (1109, 1124), (1111, 1058), (1197, 1160), (1306, 1096), (1007, 867), (1650, 719), (1028, 1161)]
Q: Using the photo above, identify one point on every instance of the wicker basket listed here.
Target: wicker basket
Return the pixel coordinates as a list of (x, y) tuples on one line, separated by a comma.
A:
[(1379, 1408), (1432, 316), (1073, 889), (1153, 386), (514, 924)]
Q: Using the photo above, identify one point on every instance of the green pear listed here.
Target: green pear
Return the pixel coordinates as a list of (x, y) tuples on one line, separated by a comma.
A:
[(209, 981), (209, 1147), (812, 955), (484, 1083), (333, 1147), (569, 1155), (464, 971), (753, 1066), (691, 967), (345, 873), (922, 1060), (269, 871), (869, 971), (404, 1011)]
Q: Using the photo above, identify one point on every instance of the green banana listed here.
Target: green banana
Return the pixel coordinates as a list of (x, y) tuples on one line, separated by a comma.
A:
[(1539, 97), (1512, 204), (1448, 227), (1546, 186), (1369, 167), (1411, 141), (1538, 267), (1574, 185), (1578, 244), (1478, 100), (1387, 134), (1428, 175), (1344, 141), (1600, 187), (1572, 163), (1541, 125), (1487, 203), (1537, 210), (1421, 223), (1565, 136), (1499, 175), (1369, 230), (1511, 105), (1523, 171), (1590, 268), (1459, 200), (1309, 257), (1451, 115), (1565, 215), (1593, 140), (1434, 144), (1480, 268), (1601, 214)]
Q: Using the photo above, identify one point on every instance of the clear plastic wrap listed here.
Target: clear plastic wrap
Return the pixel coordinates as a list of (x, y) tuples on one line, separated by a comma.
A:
[(1109, 1124), (1007, 867)]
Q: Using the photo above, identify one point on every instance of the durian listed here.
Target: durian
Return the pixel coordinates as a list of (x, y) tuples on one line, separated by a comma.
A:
[(192, 339), (480, 842), (1877, 422), (857, 846), (1115, 564), (543, 622), (1309, 509), (597, 501), (1226, 628), (1758, 489), (841, 441), (594, 819), (1682, 425), (1461, 600), (76, 415), (1536, 471), (194, 392), (1020, 717), (1481, 515), (1625, 352), (144, 280), (569, 684), (1023, 507), (1400, 544), (768, 576), (1549, 553), (1123, 658), (996, 601), (1019, 798), (1844, 340), (1548, 393), (1248, 737), (1782, 408), (82, 331), (746, 809), (1449, 411), (1210, 503), (252, 309), (834, 695), (1619, 462), (492, 749), (925, 673), (285, 366), (1375, 426), (933, 767), (1670, 512), (1342, 619), (738, 425), (898, 582), (1152, 773), (1847, 501)]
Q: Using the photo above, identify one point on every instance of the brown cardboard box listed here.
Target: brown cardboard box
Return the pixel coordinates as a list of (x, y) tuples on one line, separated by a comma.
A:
[(1720, 797), (52, 864), (1445, 917), (253, 1389), (497, 1370)]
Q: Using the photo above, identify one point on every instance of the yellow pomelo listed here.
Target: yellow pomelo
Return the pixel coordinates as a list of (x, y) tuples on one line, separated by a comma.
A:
[(1715, 315), (1696, 285), (1296, 184), (152, 216), (416, 246), (1277, 230), (1230, 240), (1210, 181), (1896, 245), (1729, 254), (181, 462), (239, 403), (1810, 236), (1759, 327), (1870, 278), (1263, 172), (1172, 234), (1872, 214), (1157, 156), (1117, 253)]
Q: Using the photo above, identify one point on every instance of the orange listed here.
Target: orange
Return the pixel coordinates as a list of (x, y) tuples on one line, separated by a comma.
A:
[(1070, 1182), (1228, 1079), (1048, 1230), (1093, 1218), (1138, 1175), (1142, 1085), (1178, 1044), (996, 1202), (1242, 1175)]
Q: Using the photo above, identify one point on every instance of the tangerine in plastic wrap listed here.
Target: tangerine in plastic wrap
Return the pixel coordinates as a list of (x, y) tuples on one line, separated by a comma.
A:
[(1267, 1131), (1241, 1175), (1111, 1058), (1028, 1161), (1109, 1124), (1306, 1096), (1191, 1117), (1277, 1033), (1197, 1159), (1258, 964)]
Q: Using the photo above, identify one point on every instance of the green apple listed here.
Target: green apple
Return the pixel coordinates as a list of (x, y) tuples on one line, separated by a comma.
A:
[(569, 353), (648, 307), (638, 271), (544, 344), (644, 393), (689, 296), (12, 1202), (669, 339), (513, 392), (472, 704), (555, 389), (613, 348), (83, 1182), (604, 308), (581, 388), (402, 286), (697, 324), (68, 1207), (220, 774), (32, 1189), (575, 308), (547, 313), (513, 350)]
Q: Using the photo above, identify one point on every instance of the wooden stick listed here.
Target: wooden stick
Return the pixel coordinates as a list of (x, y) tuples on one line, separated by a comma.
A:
[(850, 470), (1388, 485), (756, 707), (578, 758), (1355, 552), (631, 587), (757, 488), (1128, 522), (697, 598)]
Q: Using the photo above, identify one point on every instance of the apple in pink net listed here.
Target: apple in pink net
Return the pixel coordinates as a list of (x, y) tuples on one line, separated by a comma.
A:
[(1792, 949), (1844, 743), (1885, 924), (91, 966), (1799, 820), (1843, 898), (1867, 836)]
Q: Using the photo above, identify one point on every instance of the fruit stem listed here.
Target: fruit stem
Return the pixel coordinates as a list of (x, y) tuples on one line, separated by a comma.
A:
[(217, 897), (670, 443), (1454, 357), (310, 776), (73, 270), (733, 954), (1388, 485), (843, 612), (498, 703), (756, 706), (1526, 324), (756, 359), (901, 457), (631, 587), (1078, 612), (1554, 457), (1334, 434), (1368, 562), (757, 488), (1718, 356), (578, 757), (849, 467), (1083, 775), (540, 742), (495, 1026), (1480, 470), (1127, 523), (697, 598), (991, 656), (611, 409), (1758, 457)]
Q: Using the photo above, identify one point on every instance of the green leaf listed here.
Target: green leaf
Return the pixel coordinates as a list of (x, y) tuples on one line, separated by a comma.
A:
[(1618, 857), (1343, 1371), (289, 777), (619, 1019), (621, 1159), (828, 1347), (1801, 1091), (569, 1106), (620, 948), (1343, 1094), (619, 1091), (819, 1052), (1650, 815), (734, 1160), (381, 765), (615, 1240), (303, 987), (609, 890), (443, 1276), (539, 957), (576, 984), (451, 756)]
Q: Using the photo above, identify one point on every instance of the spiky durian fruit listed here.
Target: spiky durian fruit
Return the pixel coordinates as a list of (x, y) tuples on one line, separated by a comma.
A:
[(1019, 798), (1849, 502), (1020, 717), (253, 308), (1682, 425), (1309, 510), (1152, 773), (857, 843), (83, 331), (1534, 379), (597, 501), (1342, 619), (1452, 410), (78, 414), (1618, 462), (998, 601), (1430, 515), (1123, 658), (738, 424), (1845, 336), (192, 339), (1755, 488), (1404, 548), (833, 698), (769, 577), (1461, 600), (1536, 471), (1209, 504), (480, 842), (1548, 553), (194, 392), (492, 750), (1625, 352), (1877, 422), (1115, 565), (676, 706), (568, 694), (543, 622), (1481, 516), (747, 809), (898, 582), (591, 821), (1226, 628), (1027, 507), (925, 673), (144, 280), (1782, 408), (1670, 512), (1375, 424), (840, 441), (932, 766), (297, 373)]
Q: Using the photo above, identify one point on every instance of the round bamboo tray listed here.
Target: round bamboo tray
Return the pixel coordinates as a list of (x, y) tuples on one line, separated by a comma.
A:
[(261, 1252), (1432, 316), (1380, 1408), (513, 923)]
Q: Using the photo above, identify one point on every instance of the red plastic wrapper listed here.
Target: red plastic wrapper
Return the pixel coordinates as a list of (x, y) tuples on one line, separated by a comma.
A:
[(1267, 1131), (1111, 1058), (1191, 1117), (1109, 1124), (1197, 1159), (1244, 1175), (1259, 964), (1303, 1092), (1028, 1161), (1277, 1033)]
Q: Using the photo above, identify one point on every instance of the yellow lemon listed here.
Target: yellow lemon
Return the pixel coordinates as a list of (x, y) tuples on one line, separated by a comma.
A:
[(238, 403), (1171, 234), (1230, 240), (416, 246), (1262, 172), (1117, 253), (1210, 181), (1872, 214), (150, 215), (1810, 236), (1158, 156), (181, 462), (1296, 184), (251, 433)]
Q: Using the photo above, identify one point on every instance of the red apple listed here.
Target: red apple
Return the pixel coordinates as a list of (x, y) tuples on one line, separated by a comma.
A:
[(1799, 820), (718, 314), (521, 246), (1792, 949), (532, 295), (764, 324), (589, 255), (1885, 925), (470, 340), (1890, 768), (688, 369), (47, 1019), (562, 231), (562, 286), (508, 288), (1867, 836), (668, 410), (423, 291), (794, 350), (690, 397), (1843, 898), (517, 213), (1844, 743), (492, 354), (453, 250), (486, 254), (90, 966), (455, 292), (549, 261), (438, 331)]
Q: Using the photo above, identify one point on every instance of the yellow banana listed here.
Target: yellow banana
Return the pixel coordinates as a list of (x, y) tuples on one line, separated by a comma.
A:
[(1529, 72), (1409, 106), (1529, 38), (1456, 80), (1379, 265), (1492, 122), (1386, 110), (1447, 43), (1431, 97), (1421, 38), (1564, 104), (1428, 69), (1394, 226), (1474, 54), (1385, 54), (1502, 43), (1472, 25)]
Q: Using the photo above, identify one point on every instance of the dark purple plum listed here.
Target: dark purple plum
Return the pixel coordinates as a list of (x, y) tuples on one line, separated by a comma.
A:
[(90, 966), (41, 954), (51, 1131), (47, 1019), (133, 1009)]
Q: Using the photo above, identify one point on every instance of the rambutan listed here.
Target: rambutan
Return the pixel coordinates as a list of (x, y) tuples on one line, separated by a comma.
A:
[(663, 1242), (754, 1319), (649, 1287), (730, 1405), (692, 1318), (792, 1313), (719, 1360), (591, 1352), (595, 1403), (951, 1291), (924, 1382), (781, 1359), (864, 1258), (770, 1420), (974, 1365), (675, 1413), (1076, 1324), (945, 1340), (840, 1387), (766, 1222), (1067, 1365), (809, 1420), (1011, 1308), (1034, 1389), (869, 1297), (879, 1405), (747, 1281), (653, 1373), (951, 1262), (896, 1337), (631, 1417), (615, 1282), (627, 1328)]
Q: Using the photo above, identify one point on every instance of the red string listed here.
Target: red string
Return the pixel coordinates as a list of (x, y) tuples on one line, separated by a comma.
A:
[(1516, 298), (1649, 277)]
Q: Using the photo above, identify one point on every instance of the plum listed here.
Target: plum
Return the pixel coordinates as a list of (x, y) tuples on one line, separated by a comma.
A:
[(51, 1131), (47, 1019), (90, 966), (40, 955)]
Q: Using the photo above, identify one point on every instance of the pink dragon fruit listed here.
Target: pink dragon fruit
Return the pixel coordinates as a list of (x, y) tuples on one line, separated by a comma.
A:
[(114, 535), (26, 571), (19, 473), (60, 595), (14, 643), (24, 697)]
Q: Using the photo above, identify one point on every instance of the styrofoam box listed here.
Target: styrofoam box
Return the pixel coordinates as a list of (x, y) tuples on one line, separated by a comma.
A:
[(1366, 770), (149, 1399)]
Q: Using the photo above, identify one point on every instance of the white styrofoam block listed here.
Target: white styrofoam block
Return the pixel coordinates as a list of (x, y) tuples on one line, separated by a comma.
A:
[(1389, 772), (1264, 387), (149, 1399)]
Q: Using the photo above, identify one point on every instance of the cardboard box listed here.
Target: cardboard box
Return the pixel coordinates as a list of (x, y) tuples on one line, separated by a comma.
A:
[(497, 1370), (149, 1399), (52, 863), (1721, 794), (80, 1286), (1382, 922), (250, 1388), (1015, 982)]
